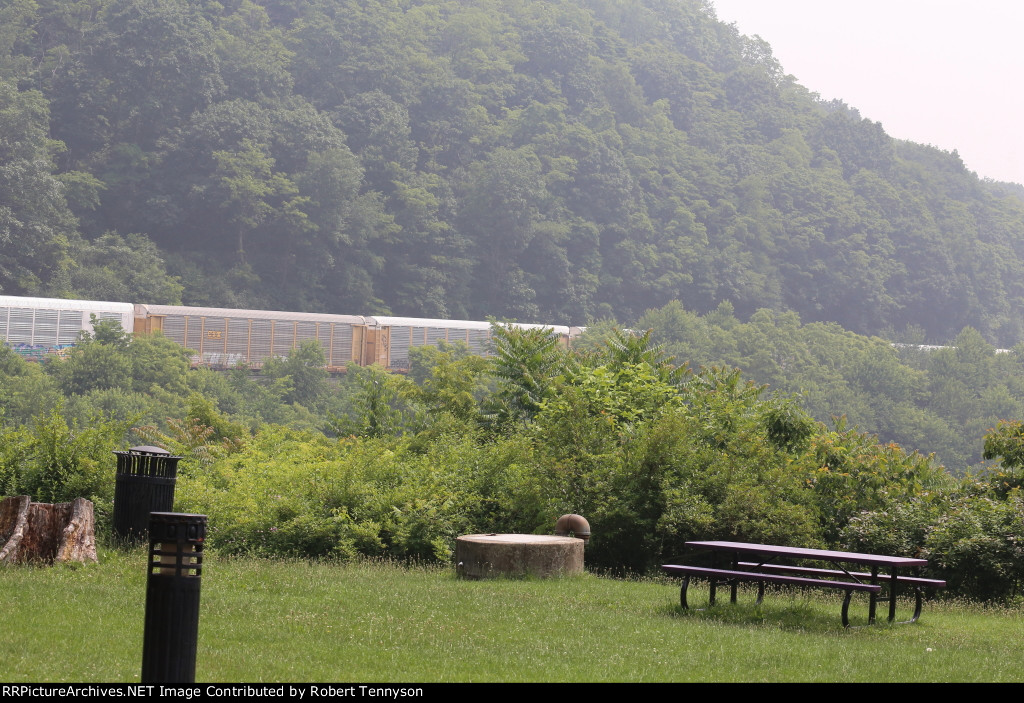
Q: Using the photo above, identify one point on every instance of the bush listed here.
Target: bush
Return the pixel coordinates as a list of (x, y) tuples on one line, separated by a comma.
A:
[(55, 460), (303, 494), (899, 530), (978, 545)]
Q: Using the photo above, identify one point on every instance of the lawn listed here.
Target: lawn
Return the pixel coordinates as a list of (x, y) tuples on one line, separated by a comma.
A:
[(294, 621)]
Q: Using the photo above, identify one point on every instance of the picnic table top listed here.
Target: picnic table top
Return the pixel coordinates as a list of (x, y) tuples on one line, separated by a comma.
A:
[(804, 553)]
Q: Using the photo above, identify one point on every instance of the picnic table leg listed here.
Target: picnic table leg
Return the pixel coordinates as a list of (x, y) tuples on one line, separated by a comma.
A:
[(733, 565), (873, 601), (712, 587), (846, 608), (686, 584), (734, 584), (893, 582), (918, 602), (918, 605)]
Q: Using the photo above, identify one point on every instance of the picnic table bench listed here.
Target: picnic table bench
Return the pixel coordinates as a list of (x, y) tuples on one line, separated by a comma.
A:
[(757, 563)]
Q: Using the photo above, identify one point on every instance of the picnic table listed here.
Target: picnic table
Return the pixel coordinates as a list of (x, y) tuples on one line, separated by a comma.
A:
[(767, 563)]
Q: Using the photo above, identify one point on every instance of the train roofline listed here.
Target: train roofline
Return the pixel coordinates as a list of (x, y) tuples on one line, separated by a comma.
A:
[(21, 301), (387, 321), (143, 309)]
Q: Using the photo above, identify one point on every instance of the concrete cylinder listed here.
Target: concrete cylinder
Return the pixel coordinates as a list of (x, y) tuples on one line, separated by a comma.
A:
[(542, 556)]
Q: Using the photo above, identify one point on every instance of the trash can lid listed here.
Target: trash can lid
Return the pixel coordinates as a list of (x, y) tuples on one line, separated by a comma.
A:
[(149, 450)]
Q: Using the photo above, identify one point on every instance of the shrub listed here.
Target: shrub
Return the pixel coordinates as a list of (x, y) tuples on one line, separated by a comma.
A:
[(978, 545), (56, 460), (303, 494), (899, 529)]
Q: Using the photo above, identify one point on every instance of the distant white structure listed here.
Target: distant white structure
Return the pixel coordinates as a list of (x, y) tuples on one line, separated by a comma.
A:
[(936, 347)]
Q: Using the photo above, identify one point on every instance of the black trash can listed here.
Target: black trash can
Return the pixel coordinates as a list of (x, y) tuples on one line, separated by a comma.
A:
[(145, 484)]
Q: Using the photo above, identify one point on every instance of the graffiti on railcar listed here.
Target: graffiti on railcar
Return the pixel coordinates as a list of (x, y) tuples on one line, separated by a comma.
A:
[(41, 352), (219, 360)]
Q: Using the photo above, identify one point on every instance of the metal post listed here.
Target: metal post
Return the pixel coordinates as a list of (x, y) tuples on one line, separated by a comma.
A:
[(172, 597)]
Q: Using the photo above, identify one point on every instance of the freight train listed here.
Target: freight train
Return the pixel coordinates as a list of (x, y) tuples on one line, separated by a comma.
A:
[(224, 338)]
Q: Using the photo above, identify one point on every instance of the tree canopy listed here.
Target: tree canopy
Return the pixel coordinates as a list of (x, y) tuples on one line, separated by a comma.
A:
[(557, 161)]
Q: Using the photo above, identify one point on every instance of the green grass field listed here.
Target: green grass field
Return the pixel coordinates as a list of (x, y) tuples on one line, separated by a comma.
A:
[(268, 621)]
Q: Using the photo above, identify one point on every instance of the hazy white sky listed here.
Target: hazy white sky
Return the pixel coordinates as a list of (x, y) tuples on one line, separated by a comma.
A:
[(941, 72)]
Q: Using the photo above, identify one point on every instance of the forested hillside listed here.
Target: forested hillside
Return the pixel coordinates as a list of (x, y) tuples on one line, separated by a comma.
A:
[(543, 160), (935, 400)]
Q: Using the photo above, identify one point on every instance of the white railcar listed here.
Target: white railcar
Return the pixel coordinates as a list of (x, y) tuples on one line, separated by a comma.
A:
[(38, 328)]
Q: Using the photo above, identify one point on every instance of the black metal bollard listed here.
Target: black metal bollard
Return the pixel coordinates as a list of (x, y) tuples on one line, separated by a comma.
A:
[(172, 597), (144, 484)]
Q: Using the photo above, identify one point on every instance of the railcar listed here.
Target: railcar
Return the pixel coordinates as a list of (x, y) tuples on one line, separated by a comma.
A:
[(224, 338), (227, 337), (399, 334), (38, 328)]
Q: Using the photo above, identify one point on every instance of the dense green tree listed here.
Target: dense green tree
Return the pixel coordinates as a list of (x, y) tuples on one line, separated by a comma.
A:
[(251, 192), (552, 161), (525, 362), (93, 365), (110, 359), (451, 380), (26, 391), (121, 268), (35, 222), (304, 369), (145, 67)]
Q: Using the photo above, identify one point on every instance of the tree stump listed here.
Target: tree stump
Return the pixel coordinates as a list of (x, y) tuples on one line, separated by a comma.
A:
[(46, 532), (483, 556)]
